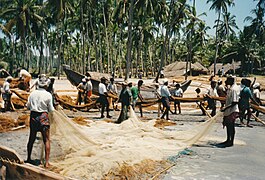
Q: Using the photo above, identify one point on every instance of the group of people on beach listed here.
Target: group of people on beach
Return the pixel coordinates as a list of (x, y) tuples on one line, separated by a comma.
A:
[(236, 104), (41, 102)]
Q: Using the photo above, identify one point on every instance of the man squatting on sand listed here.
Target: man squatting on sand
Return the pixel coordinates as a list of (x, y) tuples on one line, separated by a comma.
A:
[(39, 103)]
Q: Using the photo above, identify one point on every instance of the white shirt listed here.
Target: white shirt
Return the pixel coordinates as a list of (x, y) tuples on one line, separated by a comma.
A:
[(23, 72), (112, 88), (212, 92), (40, 101), (232, 96), (256, 93), (102, 88), (89, 86), (165, 92), (6, 87), (178, 92)]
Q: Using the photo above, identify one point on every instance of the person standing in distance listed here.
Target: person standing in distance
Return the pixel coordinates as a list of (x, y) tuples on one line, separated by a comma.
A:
[(103, 94)]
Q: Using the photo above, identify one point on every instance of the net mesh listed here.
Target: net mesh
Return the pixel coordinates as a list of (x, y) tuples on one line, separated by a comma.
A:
[(94, 151)]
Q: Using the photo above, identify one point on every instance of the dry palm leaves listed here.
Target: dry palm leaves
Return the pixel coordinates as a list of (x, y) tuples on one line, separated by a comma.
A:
[(161, 123), (144, 170), (80, 120), (6, 123)]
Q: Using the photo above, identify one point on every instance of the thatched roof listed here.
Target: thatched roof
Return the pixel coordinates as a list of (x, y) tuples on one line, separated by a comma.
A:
[(178, 68), (227, 67)]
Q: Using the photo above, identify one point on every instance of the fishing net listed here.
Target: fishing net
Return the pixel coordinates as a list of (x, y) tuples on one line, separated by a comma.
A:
[(91, 152)]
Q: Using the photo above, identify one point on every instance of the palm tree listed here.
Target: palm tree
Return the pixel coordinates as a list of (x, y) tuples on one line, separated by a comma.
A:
[(21, 15), (219, 6)]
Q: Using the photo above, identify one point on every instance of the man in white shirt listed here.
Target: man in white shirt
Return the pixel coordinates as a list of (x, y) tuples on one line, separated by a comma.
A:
[(256, 95), (103, 94), (231, 111), (40, 103), (165, 94), (88, 89), (212, 92), (178, 93), (6, 94)]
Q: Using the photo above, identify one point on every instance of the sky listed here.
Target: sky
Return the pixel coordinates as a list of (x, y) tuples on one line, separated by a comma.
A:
[(241, 10)]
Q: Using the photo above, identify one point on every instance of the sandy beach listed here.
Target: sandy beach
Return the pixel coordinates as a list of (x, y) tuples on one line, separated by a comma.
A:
[(203, 160)]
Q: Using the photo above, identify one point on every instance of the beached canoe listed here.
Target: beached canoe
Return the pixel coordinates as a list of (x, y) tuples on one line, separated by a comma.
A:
[(16, 168), (147, 90)]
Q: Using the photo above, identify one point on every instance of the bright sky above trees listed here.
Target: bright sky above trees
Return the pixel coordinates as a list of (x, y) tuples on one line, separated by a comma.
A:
[(241, 10)]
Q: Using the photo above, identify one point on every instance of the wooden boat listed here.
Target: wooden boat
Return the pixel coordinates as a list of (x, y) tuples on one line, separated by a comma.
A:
[(16, 168), (75, 78)]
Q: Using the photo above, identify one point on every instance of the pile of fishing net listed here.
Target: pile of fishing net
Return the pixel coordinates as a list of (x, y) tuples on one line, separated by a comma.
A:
[(8, 123), (105, 149)]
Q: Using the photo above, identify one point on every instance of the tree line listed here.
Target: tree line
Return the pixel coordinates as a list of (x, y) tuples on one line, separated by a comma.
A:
[(125, 36)]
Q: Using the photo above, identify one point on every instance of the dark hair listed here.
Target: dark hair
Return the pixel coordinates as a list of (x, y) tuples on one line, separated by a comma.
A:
[(230, 81), (177, 85), (103, 79), (140, 82), (111, 79), (248, 82)]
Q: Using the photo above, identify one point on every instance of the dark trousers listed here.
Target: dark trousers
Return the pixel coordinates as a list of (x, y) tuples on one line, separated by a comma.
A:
[(104, 103), (165, 102)]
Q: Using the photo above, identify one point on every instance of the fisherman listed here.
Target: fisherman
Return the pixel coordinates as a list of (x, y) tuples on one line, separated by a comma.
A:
[(178, 93), (256, 95), (125, 99), (25, 76), (40, 103), (221, 91), (103, 94), (88, 89), (136, 93), (6, 94), (165, 94), (81, 91), (231, 111), (36, 82), (244, 105), (212, 92), (112, 88), (51, 90)]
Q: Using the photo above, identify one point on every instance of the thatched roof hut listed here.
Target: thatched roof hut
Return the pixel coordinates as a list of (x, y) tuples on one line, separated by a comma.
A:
[(178, 68), (228, 68)]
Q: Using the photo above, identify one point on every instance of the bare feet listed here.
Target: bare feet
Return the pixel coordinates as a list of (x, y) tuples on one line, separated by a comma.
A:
[(248, 125), (47, 165)]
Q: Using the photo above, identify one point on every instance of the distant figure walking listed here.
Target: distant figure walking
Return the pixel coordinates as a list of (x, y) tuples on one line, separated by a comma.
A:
[(165, 94), (178, 93), (136, 93), (103, 94)]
